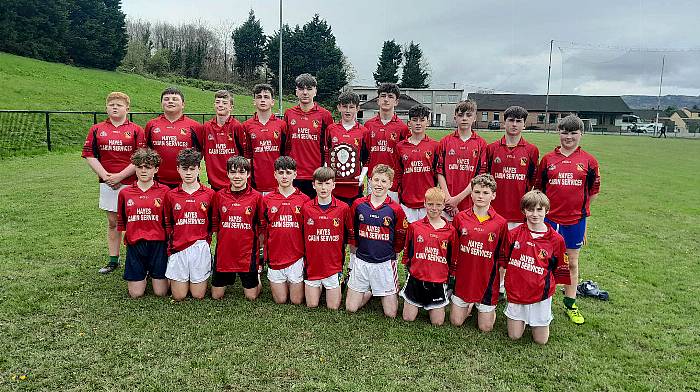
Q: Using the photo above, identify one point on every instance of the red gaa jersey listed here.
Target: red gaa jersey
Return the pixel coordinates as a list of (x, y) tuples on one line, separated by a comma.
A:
[(188, 217), (514, 169), (284, 241), (459, 161), (346, 153), (531, 267), (140, 213), (417, 170), (306, 138), (483, 248), (237, 219), (219, 143), (167, 139), (325, 234), (381, 141), (429, 251), (378, 232), (113, 146), (266, 143), (569, 182)]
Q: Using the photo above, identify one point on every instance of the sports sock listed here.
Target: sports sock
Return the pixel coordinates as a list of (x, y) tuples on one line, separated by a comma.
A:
[(569, 302), (113, 259)]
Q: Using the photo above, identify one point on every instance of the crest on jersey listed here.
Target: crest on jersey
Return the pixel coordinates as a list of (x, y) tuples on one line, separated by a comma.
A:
[(130, 203), (336, 222), (253, 136), (404, 157), (373, 134), (229, 137), (566, 259), (203, 206), (475, 153), (443, 244), (551, 167), (103, 133), (273, 209), (420, 238), (428, 154), (357, 141), (310, 222), (542, 254), (315, 123), (579, 166), (523, 161), (275, 134), (156, 130), (465, 231), (297, 209), (392, 136), (452, 152), (497, 160), (183, 131), (335, 139), (516, 245), (127, 134), (248, 210), (157, 202), (361, 218), (210, 137), (386, 221), (405, 223), (223, 209), (492, 237), (178, 207), (293, 122)]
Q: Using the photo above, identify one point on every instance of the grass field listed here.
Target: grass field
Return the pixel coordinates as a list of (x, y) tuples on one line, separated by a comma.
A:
[(64, 327)]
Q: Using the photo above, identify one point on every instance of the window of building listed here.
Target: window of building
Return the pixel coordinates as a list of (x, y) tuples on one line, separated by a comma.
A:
[(553, 117), (484, 116), (359, 114), (428, 98), (496, 116), (540, 118), (363, 97), (454, 98), (441, 99)]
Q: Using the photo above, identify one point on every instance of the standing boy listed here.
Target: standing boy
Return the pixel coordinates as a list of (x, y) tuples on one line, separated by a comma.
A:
[(171, 132), (188, 224), (462, 156), (483, 248), (536, 254), (107, 150), (431, 244), (327, 222), (418, 158), (284, 241), (346, 150), (570, 178), (307, 123), (237, 220), (140, 215), (266, 137), (385, 130), (222, 138), (378, 234)]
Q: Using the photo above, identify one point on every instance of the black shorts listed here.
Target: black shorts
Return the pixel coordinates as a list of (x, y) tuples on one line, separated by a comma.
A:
[(306, 187), (249, 280), (144, 259), (426, 295)]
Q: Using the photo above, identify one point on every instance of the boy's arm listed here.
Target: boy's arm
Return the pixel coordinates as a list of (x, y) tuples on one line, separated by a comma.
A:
[(400, 228), (503, 246), (121, 213), (239, 138), (215, 217), (481, 163), (285, 143), (408, 248), (455, 248), (398, 176), (350, 222), (593, 179), (532, 167), (167, 215), (541, 175)]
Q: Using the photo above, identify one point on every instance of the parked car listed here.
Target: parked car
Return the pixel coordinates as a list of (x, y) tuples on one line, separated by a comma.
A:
[(495, 124), (650, 128)]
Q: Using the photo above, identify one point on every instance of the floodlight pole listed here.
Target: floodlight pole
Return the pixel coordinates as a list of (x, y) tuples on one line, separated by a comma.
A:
[(279, 74), (658, 102), (546, 102)]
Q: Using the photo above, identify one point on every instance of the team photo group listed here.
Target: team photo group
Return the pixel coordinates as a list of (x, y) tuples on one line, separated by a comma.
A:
[(292, 198)]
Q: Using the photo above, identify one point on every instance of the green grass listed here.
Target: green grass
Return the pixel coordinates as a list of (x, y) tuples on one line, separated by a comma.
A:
[(67, 328), (30, 84)]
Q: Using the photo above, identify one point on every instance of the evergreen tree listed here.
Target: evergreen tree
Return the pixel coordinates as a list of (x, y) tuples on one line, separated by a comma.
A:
[(34, 28), (414, 75), (389, 63), (249, 47)]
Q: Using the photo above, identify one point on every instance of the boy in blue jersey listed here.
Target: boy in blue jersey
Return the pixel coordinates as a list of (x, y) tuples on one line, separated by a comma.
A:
[(378, 234)]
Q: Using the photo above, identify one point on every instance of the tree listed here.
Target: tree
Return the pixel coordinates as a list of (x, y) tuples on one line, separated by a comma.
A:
[(35, 28), (249, 47), (414, 75), (97, 34), (389, 63)]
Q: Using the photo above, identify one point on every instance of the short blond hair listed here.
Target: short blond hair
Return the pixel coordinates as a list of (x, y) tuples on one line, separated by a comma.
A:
[(435, 195), (118, 95), (383, 169), (486, 180), (532, 199)]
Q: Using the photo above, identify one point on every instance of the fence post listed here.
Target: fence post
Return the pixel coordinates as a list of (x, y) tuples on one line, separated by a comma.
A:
[(94, 118), (48, 131)]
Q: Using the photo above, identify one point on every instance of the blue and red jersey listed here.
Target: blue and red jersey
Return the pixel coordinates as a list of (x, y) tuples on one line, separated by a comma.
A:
[(378, 232)]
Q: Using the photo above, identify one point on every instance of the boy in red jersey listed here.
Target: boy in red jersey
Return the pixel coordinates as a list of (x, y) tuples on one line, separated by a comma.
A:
[(140, 215), (188, 224), (384, 131), (306, 124), (266, 136), (346, 151), (431, 244), (222, 138), (378, 234), (512, 161), (171, 132), (483, 247), (418, 156), (570, 178), (326, 226), (237, 219), (537, 253), (462, 156), (284, 241), (107, 150)]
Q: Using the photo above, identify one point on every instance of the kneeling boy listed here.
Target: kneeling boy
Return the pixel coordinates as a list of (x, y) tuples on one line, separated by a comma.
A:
[(430, 245)]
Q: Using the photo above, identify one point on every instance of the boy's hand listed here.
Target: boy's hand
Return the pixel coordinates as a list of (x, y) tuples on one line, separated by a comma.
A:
[(113, 180), (353, 249), (451, 205)]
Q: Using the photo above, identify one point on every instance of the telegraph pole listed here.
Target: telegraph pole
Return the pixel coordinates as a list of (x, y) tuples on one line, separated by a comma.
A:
[(546, 102)]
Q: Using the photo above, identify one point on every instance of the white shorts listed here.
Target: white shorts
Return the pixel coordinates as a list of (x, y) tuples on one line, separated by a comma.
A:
[(292, 274), (108, 197), (538, 314), (379, 278), (190, 265), (331, 282), (513, 225), (413, 214), (481, 308), (351, 262)]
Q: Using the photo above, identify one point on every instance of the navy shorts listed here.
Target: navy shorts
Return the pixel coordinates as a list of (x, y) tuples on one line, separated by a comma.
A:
[(574, 235), (249, 280), (144, 259)]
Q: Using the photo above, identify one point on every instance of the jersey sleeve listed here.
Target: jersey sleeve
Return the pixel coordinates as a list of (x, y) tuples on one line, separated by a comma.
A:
[(285, 142), (452, 249), (593, 177), (481, 163), (440, 169), (147, 134), (534, 157), (455, 252), (541, 175), (247, 143), (364, 146), (560, 261), (352, 220), (503, 245), (90, 149), (121, 212), (215, 217), (400, 228), (197, 131), (167, 216), (408, 250), (239, 137)]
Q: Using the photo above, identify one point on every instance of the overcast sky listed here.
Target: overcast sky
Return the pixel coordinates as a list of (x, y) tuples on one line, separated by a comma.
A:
[(601, 47)]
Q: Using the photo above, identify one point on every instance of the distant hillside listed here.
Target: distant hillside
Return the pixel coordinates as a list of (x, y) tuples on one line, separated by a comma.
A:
[(650, 102)]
